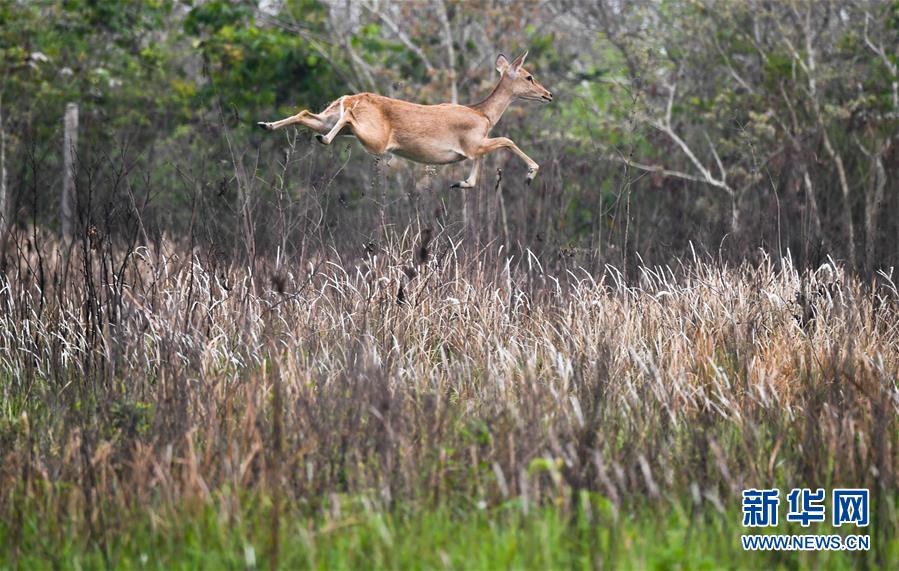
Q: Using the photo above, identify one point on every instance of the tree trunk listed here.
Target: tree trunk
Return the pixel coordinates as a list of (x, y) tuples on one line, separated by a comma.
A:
[(4, 193), (844, 188), (812, 199), (450, 52), (873, 204), (734, 214), (70, 144)]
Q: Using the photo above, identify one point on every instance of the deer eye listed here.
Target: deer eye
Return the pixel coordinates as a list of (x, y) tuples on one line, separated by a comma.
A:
[(531, 78)]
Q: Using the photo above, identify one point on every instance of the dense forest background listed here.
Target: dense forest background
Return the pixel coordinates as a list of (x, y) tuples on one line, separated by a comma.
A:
[(679, 125)]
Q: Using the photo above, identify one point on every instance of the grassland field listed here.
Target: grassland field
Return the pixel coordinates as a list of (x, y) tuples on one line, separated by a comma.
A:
[(448, 409)]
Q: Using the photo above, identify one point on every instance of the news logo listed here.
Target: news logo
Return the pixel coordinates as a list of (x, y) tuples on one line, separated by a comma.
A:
[(760, 507), (806, 506), (849, 506)]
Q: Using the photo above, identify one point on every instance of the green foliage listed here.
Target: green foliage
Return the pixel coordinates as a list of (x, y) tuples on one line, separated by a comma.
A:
[(253, 69), (95, 53), (130, 419), (212, 535), (127, 65)]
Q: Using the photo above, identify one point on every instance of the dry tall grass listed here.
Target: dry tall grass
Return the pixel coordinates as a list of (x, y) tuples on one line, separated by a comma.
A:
[(427, 373)]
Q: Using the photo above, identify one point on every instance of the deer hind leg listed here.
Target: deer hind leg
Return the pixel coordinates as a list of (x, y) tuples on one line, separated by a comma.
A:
[(346, 120), (318, 123), (368, 126), (328, 136), (472, 179), (490, 145)]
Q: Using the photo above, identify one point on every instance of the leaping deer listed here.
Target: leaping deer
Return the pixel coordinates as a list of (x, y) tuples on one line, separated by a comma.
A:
[(430, 134)]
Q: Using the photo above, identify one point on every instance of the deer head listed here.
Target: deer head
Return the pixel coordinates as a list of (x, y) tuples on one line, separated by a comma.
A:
[(524, 84)]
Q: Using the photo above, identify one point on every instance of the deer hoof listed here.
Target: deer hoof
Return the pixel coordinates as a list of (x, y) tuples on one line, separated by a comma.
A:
[(264, 125), (532, 174), (321, 139), (462, 184)]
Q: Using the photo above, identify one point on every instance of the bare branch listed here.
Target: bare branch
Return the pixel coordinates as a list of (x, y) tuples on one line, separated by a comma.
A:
[(706, 174), (400, 34), (730, 67), (619, 158), (671, 89), (891, 67), (717, 158)]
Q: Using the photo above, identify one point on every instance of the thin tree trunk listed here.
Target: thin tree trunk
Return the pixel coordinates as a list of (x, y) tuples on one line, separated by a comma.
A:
[(4, 194), (873, 204), (502, 205), (450, 52), (810, 67), (70, 144), (734, 214), (844, 188), (813, 206)]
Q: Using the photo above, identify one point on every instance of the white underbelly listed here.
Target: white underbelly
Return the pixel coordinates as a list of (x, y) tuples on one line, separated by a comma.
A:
[(429, 156)]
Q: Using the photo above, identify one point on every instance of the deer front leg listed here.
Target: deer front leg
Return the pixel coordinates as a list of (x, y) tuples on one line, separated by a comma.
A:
[(306, 118), (472, 179), (491, 145)]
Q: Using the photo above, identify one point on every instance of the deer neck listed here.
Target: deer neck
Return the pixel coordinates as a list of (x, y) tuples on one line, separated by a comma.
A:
[(497, 102)]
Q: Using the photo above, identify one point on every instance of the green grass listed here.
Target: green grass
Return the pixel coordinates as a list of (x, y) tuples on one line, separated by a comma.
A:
[(209, 535)]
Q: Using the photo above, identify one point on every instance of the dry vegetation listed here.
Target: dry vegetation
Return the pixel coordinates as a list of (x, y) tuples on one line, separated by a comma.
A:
[(428, 374), (246, 344)]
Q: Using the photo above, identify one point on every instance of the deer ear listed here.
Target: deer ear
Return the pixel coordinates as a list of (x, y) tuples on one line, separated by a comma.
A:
[(519, 61), (501, 63)]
